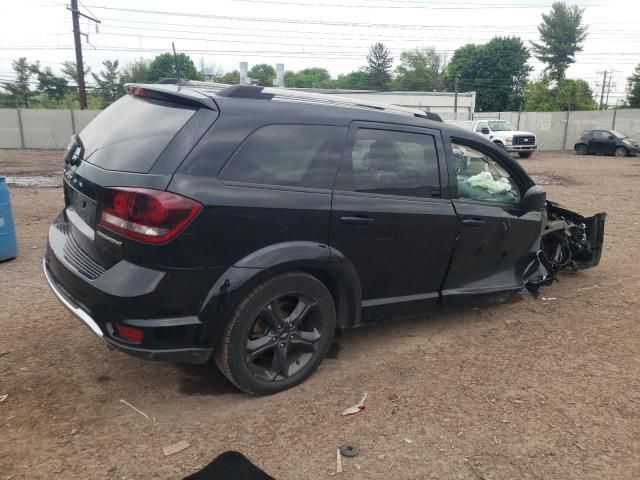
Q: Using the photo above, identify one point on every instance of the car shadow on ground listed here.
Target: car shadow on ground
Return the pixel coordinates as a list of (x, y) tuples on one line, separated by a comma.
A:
[(204, 379), (208, 380)]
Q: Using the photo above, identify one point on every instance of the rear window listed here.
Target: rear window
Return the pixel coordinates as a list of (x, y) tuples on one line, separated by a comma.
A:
[(131, 134), (288, 155)]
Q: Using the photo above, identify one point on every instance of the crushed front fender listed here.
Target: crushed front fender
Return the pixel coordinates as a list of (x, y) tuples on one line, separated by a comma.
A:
[(567, 240)]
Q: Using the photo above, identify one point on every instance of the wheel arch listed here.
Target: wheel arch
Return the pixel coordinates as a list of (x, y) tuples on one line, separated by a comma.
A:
[(328, 265)]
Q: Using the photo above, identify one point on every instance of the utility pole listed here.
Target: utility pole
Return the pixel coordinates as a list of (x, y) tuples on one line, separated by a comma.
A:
[(455, 99), (615, 114), (75, 18), (604, 84), (606, 102), (76, 40)]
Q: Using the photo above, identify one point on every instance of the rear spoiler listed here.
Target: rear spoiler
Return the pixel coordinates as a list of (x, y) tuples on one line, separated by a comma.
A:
[(171, 93)]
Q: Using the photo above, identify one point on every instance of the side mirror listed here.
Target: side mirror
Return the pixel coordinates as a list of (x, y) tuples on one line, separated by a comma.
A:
[(485, 131), (611, 137), (534, 199)]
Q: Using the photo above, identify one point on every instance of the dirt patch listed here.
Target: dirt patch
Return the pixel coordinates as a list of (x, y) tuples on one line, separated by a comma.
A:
[(551, 179), (528, 389)]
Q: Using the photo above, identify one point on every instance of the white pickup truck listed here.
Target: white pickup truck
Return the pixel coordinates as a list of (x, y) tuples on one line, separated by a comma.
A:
[(502, 133)]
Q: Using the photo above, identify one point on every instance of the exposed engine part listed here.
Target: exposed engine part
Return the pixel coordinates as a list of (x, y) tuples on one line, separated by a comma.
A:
[(568, 239)]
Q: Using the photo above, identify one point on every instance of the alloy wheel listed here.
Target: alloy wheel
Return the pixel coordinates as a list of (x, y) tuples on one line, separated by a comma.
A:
[(284, 337)]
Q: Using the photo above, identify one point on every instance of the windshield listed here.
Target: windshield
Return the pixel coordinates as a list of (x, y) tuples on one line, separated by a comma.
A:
[(501, 126), (618, 134)]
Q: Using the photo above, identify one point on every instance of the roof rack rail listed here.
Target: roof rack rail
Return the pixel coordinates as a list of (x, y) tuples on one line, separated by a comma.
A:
[(256, 92)]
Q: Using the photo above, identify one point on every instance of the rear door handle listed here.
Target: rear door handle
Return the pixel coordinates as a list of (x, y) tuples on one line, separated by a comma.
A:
[(354, 220), (473, 222)]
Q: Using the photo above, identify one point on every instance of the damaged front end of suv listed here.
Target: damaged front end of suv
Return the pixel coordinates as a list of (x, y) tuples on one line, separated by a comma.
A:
[(568, 241)]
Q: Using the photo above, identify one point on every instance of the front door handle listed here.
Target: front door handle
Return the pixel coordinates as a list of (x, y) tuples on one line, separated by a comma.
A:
[(473, 222), (357, 220)]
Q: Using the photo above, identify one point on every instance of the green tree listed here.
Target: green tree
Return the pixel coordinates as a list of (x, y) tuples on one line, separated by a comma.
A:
[(70, 72), (164, 66), (420, 69), (378, 69), (549, 95), (562, 36), (633, 89), (109, 83), (51, 85), (230, 78), (357, 80), (496, 70), (19, 88), (315, 77), (263, 73), (136, 72)]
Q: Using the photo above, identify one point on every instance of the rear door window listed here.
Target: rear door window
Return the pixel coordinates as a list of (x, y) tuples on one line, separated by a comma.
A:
[(304, 156), (392, 163), (131, 133)]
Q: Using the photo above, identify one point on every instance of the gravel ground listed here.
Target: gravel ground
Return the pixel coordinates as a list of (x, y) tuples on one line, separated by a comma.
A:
[(528, 389)]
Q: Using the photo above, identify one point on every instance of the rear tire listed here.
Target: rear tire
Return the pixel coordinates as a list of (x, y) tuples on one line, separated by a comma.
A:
[(581, 149), (620, 152), (278, 334), (525, 154)]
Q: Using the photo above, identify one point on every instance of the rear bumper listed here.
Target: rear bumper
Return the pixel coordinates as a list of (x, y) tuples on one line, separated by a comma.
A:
[(187, 355), (164, 304)]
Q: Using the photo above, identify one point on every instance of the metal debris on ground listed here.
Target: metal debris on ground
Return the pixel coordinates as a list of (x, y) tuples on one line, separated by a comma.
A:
[(338, 461), (151, 419), (175, 448), (357, 408), (349, 450)]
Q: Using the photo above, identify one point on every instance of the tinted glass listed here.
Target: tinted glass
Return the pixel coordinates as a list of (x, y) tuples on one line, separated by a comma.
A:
[(392, 163), (601, 134), (288, 155), (131, 133), (481, 178)]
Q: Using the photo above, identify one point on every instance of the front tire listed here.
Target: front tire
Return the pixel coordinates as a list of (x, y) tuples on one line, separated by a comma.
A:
[(620, 152), (525, 154), (278, 334)]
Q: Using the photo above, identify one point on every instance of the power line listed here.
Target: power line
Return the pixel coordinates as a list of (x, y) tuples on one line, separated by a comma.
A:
[(250, 53), (296, 21), (430, 6)]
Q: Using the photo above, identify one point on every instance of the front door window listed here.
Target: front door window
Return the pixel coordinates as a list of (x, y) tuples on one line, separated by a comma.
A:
[(481, 178)]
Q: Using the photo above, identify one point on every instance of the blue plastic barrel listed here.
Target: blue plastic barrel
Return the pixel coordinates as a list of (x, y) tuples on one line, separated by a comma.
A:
[(8, 244)]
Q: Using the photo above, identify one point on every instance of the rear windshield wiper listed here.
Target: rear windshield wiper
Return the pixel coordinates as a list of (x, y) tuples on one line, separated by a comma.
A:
[(72, 156)]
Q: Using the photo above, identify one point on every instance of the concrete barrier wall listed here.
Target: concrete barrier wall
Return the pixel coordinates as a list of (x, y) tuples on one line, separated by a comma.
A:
[(46, 128), (9, 128), (41, 128), (35, 128), (560, 131)]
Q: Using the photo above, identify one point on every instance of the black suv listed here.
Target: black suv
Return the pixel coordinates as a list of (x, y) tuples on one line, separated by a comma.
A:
[(606, 141), (247, 225)]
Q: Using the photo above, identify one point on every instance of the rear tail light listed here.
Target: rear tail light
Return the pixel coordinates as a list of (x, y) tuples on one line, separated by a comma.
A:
[(150, 216)]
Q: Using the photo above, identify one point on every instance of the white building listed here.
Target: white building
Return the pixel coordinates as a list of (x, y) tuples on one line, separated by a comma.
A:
[(441, 103)]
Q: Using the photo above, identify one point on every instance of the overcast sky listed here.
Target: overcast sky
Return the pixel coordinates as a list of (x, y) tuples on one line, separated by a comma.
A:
[(334, 34)]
